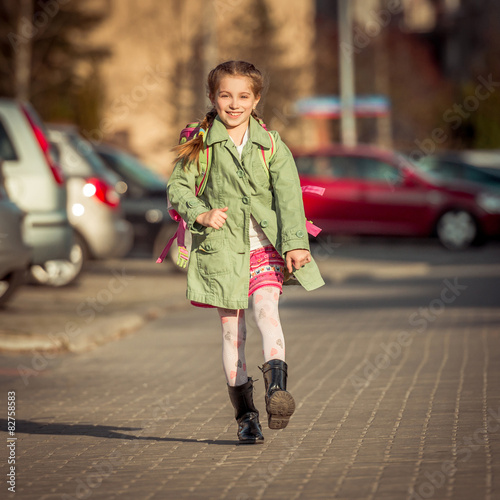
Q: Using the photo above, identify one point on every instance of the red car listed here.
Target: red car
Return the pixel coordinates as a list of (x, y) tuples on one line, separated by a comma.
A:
[(369, 191)]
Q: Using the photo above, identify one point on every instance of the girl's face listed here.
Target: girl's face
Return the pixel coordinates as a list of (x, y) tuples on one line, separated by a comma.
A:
[(234, 101)]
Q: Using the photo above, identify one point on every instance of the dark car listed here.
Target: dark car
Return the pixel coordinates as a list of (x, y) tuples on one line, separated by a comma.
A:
[(369, 191), (450, 168), (144, 202)]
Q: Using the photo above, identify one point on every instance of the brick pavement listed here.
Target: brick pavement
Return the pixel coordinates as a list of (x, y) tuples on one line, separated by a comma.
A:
[(395, 379)]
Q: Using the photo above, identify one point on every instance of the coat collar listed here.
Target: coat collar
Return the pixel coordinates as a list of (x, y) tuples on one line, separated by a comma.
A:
[(218, 133)]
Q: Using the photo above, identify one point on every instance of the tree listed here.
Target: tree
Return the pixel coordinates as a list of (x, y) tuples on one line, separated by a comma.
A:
[(42, 53)]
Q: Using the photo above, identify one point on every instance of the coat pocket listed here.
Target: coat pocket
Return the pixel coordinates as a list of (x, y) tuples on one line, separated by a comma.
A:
[(213, 259)]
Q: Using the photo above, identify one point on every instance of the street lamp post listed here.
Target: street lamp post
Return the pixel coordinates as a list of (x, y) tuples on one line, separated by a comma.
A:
[(22, 53), (347, 93)]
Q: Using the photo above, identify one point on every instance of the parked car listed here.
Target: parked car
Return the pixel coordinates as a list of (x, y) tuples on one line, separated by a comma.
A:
[(448, 167), (15, 256), (374, 192), (94, 206), (143, 199), (35, 183), (487, 160)]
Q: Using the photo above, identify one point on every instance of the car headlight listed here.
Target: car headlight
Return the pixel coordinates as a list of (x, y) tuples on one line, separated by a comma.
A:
[(489, 203)]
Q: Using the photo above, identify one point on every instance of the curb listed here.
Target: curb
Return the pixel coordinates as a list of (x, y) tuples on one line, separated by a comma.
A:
[(102, 331)]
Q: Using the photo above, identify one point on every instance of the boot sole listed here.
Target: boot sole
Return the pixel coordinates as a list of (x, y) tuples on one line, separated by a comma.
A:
[(250, 441), (280, 408)]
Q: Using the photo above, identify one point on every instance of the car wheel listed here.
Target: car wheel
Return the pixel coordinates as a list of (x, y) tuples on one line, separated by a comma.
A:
[(61, 272), (457, 229), (8, 285)]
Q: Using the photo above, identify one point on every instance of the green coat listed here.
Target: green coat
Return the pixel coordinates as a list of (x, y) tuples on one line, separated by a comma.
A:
[(219, 264)]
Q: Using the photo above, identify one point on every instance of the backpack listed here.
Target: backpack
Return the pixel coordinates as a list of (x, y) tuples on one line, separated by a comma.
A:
[(205, 162)]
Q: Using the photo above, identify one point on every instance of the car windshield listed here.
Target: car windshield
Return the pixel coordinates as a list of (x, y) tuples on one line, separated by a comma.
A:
[(7, 151), (424, 167), (441, 170), (453, 170), (130, 168), (348, 167)]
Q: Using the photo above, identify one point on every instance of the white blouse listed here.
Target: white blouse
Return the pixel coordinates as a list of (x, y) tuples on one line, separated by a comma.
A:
[(257, 237)]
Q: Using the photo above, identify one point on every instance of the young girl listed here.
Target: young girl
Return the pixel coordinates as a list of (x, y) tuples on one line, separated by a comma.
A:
[(247, 226)]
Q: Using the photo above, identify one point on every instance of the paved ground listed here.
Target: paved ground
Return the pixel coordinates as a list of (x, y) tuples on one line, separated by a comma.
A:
[(394, 366), (110, 299)]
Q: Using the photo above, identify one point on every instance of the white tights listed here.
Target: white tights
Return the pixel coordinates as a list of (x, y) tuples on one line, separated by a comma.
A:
[(234, 334)]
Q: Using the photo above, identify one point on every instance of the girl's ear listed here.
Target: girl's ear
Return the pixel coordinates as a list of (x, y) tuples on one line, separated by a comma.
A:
[(257, 99)]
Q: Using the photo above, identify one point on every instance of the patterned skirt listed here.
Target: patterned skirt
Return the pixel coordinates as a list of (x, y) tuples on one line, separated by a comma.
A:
[(266, 269)]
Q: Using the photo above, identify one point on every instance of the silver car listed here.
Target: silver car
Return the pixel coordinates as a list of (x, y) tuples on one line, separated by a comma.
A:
[(35, 183), (15, 256), (94, 208)]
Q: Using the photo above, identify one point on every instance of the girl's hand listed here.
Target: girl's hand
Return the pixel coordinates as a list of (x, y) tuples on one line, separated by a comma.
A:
[(214, 218), (297, 258)]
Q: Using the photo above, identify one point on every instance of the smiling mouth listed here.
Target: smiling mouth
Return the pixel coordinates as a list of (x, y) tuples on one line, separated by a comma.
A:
[(230, 113)]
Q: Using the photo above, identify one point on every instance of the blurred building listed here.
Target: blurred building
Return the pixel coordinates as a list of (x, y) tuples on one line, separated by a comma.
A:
[(427, 56), (420, 53), (161, 52)]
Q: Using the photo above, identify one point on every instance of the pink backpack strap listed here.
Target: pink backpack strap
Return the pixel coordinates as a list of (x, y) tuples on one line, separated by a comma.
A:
[(312, 229), (180, 235), (164, 252), (187, 133), (174, 215), (313, 190)]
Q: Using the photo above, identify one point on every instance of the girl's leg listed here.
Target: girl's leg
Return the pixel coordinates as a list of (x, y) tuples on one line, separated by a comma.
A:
[(240, 387), (280, 404), (233, 345), (265, 309)]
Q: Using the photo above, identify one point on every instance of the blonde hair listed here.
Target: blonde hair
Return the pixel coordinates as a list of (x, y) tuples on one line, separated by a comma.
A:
[(189, 152)]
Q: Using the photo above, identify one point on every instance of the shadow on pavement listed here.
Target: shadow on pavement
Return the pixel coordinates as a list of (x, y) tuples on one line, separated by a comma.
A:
[(101, 431)]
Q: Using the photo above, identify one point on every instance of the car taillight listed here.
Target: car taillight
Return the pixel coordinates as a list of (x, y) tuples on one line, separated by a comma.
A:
[(45, 147), (102, 191)]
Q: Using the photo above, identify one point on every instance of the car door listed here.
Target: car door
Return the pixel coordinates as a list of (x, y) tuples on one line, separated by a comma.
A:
[(393, 201), (337, 211)]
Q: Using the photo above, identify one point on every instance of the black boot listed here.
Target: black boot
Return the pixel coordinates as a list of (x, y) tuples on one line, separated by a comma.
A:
[(247, 416), (279, 403)]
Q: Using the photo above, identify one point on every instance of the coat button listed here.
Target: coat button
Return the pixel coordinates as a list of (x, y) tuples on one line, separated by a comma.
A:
[(300, 233), (191, 203), (241, 173), (264, 223), (245, 200), (208, 246)]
